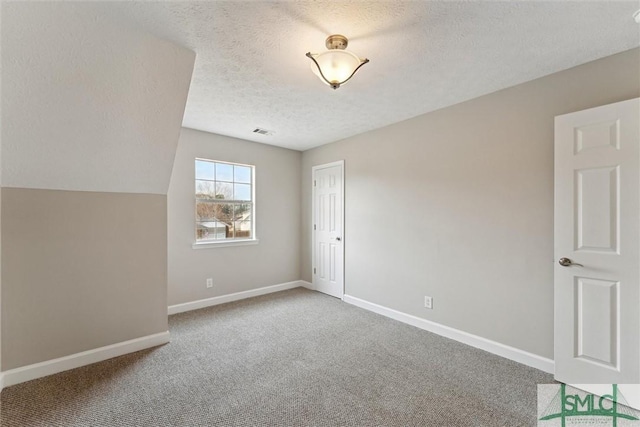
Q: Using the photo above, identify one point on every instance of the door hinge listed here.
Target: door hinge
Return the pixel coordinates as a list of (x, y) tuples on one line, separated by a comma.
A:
[(314, 226), (314, 271), (314, 182)]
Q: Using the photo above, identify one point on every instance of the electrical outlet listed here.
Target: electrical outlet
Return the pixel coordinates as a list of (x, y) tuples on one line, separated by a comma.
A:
[(210, 282), (428, 302)]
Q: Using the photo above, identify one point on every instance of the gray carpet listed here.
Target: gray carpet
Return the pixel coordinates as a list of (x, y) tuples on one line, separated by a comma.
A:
[(294, 358)]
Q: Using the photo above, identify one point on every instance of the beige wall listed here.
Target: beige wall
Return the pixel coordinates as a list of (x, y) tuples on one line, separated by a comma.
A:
[(275, 259), (1, 382), (85, 268), (80, 270), (466, 198)]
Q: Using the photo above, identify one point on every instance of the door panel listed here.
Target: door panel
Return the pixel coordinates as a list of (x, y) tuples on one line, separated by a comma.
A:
[(597, 217), (596, 210), (597, 318), (328, 257)]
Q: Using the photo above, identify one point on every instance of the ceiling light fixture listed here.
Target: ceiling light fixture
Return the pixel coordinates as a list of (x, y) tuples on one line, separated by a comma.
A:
[(335, 66)]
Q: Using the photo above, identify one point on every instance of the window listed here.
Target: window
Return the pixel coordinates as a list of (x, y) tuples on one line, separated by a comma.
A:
[(224, 201)]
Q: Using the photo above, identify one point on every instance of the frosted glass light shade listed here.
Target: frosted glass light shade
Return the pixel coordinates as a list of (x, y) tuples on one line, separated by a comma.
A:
[(336, 65)]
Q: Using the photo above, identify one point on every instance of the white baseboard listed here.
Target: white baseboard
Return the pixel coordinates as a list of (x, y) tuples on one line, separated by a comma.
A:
[(1, 381), (208, 302), (307, 285), (49, 367), (512, 353)]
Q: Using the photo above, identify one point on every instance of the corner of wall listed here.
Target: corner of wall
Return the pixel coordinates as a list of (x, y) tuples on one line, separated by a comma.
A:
[(124, 189), (275, 259), (479, 196)]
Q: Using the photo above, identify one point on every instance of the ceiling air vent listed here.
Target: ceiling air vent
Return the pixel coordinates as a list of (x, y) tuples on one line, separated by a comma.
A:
[(263, 131)]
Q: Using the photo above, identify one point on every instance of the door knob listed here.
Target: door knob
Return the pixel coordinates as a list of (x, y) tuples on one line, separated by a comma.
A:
[(566, 262), (338, 239)]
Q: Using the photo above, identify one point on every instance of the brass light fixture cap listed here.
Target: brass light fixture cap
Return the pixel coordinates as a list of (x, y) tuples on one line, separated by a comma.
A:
[(336, 41)]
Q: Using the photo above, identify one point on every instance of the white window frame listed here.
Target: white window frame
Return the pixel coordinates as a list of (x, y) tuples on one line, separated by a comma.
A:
[(226, 242)]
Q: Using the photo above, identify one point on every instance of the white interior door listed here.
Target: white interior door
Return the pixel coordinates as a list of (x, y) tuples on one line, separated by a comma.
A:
[(328, 218), (597, 241)]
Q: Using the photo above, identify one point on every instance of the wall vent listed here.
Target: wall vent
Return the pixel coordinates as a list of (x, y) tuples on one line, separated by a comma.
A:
[(262, 131)]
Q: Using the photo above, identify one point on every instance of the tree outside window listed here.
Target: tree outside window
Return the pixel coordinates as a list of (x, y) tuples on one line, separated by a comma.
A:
[(224, 201)]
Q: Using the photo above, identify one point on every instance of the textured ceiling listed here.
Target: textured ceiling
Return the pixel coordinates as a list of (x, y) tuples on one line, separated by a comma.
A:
[(251, 70)]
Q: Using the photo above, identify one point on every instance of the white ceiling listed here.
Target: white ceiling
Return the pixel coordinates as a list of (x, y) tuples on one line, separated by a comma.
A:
[(251, 70)]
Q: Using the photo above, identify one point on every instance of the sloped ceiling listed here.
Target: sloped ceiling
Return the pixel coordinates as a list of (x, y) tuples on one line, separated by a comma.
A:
[(251, 70), (87, 104)]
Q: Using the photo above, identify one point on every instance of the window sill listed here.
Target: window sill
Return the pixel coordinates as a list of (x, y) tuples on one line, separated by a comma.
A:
[(210, 245)]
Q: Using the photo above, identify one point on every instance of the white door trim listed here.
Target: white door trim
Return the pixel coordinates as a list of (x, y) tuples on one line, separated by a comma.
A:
[(313, 220)]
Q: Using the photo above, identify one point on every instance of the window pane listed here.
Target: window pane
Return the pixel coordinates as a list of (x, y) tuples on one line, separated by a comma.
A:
[(242, 212), (204, 170), (211, 211), (206, 211), (211, 230), (205, 190), (243, 229), (224, 205), (224, 172), (242, 174), (224, 213), (242, 192), (224, 190)]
